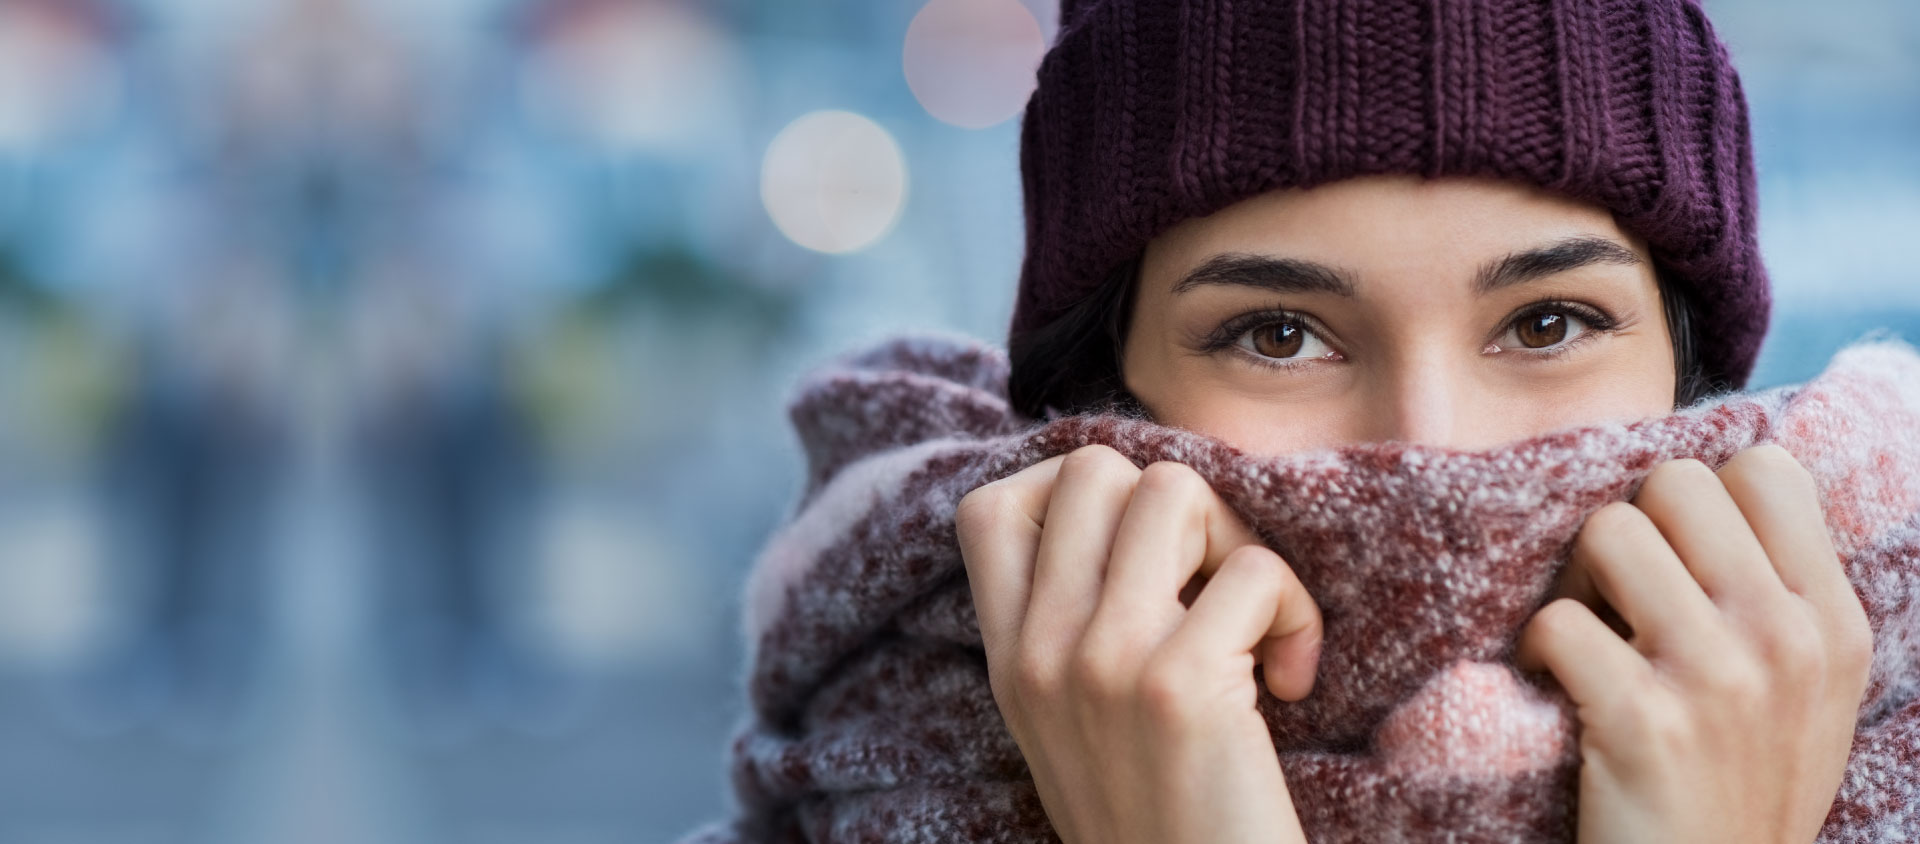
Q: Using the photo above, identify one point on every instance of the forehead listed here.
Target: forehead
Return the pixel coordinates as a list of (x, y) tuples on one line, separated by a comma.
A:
[(1385, 226)]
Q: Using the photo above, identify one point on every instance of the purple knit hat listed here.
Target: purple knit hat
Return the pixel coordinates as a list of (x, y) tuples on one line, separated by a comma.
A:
[(1149, 112)]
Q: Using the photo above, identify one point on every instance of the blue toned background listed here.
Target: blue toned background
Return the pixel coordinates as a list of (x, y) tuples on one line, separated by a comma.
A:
[(391, 393)]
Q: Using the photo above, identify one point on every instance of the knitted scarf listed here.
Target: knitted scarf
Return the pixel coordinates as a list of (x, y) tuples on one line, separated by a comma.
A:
[(872, 718)]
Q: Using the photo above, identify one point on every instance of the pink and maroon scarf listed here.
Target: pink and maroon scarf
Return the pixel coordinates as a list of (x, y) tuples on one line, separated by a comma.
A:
[(871, 716)]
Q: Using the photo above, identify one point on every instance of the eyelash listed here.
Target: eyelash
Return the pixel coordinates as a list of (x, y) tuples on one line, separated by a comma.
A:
[(1597, 322), (1227, 335)]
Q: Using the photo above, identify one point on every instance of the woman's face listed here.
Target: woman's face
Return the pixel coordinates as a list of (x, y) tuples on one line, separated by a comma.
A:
[(1453, 312)]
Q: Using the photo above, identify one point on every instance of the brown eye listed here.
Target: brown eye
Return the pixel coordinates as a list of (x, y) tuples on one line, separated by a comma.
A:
[(1551, 329), (1279, 339), (1541, 329)]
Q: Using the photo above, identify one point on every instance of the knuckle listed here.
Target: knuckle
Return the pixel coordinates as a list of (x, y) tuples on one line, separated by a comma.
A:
[(1097, 463), (1559, 619), (1791, 642), (1735, 679), (980, 510), (1771, 459), (1647, 710), (1256, 569), (1099, 673), (1805, 655), (1677, 475), (1266, 578), (1034, 675), (1659, 724), (1616, 519), (1560, 614), (1611, 516), (1769, 465), (1691, 469), (1164, 691), (1172, 476)]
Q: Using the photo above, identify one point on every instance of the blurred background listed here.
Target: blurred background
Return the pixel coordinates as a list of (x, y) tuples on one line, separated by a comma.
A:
[(391, 393)]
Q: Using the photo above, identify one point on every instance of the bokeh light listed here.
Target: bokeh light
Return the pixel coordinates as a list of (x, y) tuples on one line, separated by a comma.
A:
[(52, 594), (971, 63), (56, 74), (636, 76), (609, 587), (833, 181)]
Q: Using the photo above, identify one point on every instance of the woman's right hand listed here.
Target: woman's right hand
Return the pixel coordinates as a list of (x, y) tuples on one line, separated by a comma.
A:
[(1135, 712)]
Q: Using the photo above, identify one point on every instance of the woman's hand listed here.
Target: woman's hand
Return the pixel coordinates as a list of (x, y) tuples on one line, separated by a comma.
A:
[(1136, 713), (1728, 715)]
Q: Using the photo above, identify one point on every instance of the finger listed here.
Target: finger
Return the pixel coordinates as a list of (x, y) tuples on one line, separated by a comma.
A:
[(1172, 525), (1693, 510), (1254, 597), (999, 533), (1576, 582), (1781, 505), (1090, 494), (1631, 567), (1290, 651), (1593, 664)]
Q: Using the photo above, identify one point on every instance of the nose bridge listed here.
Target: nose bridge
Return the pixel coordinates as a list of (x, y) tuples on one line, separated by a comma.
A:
[(1422, 400)]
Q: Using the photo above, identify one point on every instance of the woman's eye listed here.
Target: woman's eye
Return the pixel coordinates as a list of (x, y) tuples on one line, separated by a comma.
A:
[(1283, 339), (1541, 329)]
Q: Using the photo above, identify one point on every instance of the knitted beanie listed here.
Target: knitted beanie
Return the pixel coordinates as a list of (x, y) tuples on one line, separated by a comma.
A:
[(1149, 112)]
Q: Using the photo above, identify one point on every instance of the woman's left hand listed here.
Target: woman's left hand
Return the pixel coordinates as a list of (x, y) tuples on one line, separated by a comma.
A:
[(1727, 713)]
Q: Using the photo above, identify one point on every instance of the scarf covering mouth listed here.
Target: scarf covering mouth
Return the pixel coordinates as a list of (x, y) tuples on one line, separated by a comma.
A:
[(871, 718)]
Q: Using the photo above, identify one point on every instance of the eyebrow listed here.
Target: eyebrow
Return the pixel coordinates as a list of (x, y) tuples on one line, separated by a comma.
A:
[(1280, 275), (1560, 256), (1295, 275)]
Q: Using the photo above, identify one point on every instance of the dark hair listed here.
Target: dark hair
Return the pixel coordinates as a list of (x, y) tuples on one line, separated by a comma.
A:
[(1072, 364)]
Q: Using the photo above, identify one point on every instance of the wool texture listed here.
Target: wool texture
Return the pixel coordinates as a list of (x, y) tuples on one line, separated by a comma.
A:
[(1150, 112), (872, 718)]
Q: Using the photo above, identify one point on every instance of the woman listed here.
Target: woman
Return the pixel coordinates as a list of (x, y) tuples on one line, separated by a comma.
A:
[(1325, 262), (1299, 225), (1459, 313)]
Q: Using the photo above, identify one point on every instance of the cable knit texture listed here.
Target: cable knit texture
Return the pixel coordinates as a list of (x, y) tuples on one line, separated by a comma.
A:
[(872, 718), (1149, 112)]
